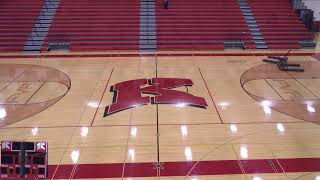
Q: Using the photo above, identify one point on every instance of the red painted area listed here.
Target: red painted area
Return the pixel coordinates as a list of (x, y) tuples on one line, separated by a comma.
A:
[(98, 171), (62, 172), (276, 166), (154, 54), (300, 165), (216, 168), (139, 170), (162, 88), (186, 168), (257, 166), (177, 168), (128, 94), (51, 170)]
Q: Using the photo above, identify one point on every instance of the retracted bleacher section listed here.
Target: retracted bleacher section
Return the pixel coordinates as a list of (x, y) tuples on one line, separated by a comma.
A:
[(96, 25), (201, 25), (279, 24), (100, 25), (17, 18)]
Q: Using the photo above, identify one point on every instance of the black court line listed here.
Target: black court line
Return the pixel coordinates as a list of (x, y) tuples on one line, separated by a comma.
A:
[(274, 89), (303, 85), (35, 92), (13, 80), (104, 91), (215, 106), (158, 133)]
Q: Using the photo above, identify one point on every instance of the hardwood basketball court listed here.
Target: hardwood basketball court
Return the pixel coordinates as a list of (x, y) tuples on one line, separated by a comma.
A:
[(256, 122)]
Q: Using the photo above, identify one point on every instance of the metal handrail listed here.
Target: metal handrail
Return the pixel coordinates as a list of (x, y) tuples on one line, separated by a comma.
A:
[(304, 14)]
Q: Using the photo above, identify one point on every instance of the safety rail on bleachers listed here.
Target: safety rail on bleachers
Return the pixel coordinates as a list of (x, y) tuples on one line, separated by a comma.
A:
[(305, 14), (280, 25)]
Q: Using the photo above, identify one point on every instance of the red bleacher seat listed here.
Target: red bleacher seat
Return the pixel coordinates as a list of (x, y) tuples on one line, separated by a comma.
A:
[(96, 25), (16, 21), (200, 25), (279, 24)]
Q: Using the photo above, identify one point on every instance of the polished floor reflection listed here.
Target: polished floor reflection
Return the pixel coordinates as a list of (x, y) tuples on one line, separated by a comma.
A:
[(168, 118)]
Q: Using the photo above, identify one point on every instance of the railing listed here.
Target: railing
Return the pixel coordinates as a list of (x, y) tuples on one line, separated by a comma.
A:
[(305, 14)]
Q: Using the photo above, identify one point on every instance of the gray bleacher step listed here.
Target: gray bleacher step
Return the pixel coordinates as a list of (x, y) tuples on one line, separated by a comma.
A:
[(48, 13), (147, 42), (35, 38), (40, 29), (253, 26), (147, 21), (31, 52), (256, 33), (147, 17), (245, 9), (39, 35), (251, 21), (147, 10), (257, 38), (43, 21), (255, 30), (34, 43), (261, 46), (308, 44), (247, 14), (148, 38), (249, 18), (40, 25), (147, 33), (148, 24), (148, 47), (259, 42), (148, 30), (32, 49), (234, 44)]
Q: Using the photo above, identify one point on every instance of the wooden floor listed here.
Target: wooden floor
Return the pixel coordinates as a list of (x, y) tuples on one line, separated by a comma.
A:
[(258, 123)]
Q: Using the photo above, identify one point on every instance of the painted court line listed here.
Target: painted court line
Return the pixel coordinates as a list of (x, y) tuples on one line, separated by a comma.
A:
[(104, 91), (214, 104)]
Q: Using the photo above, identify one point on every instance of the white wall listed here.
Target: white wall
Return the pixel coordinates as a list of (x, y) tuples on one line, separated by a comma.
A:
[(315, 6)]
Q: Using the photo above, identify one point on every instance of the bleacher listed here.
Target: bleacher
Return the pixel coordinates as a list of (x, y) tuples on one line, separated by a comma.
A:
[(16, 21), (279, 24), (201, 25), (96, 25)]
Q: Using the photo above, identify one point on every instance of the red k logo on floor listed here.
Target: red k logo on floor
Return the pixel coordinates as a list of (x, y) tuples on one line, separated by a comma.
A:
[(128, 94)]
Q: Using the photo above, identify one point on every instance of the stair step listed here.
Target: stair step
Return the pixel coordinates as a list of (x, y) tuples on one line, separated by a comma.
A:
[(262, 47), (41, 27), (308, 44), (258, 38), (256, 34)]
